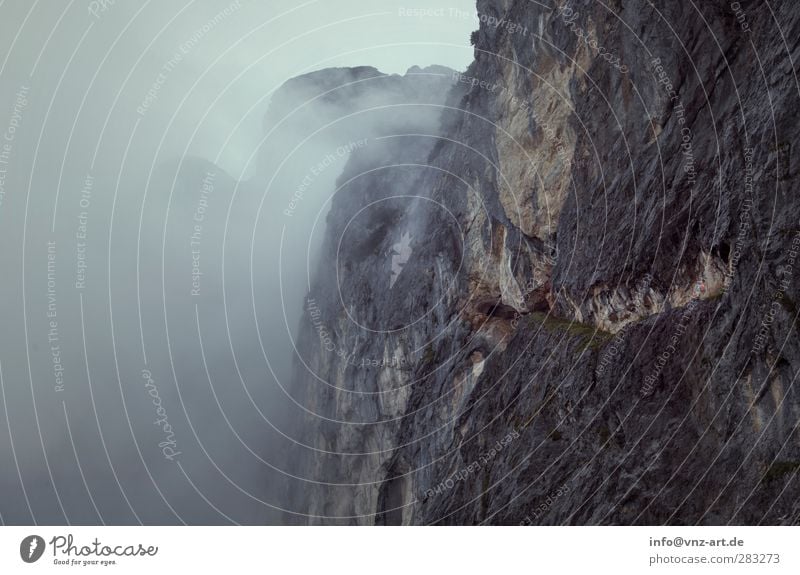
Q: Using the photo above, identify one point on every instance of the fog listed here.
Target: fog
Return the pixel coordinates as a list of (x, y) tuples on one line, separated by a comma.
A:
[(160, 213)]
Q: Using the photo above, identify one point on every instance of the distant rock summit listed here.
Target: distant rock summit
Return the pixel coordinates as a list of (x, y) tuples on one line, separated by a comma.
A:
[(559, 288)]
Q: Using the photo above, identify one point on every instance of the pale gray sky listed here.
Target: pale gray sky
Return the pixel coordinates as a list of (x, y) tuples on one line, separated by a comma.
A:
[(229, 72), (118, 98)]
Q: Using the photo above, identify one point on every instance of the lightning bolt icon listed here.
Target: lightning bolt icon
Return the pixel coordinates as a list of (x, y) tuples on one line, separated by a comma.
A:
[(34, 545)]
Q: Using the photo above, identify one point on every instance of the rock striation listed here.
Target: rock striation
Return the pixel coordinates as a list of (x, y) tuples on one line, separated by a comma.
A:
[(573, 300)]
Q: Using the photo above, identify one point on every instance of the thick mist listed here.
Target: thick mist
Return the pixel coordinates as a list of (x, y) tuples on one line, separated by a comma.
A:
[(165, 187)]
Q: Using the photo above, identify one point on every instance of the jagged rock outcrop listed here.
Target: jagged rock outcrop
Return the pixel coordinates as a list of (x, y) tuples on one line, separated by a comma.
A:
[(575, 303)]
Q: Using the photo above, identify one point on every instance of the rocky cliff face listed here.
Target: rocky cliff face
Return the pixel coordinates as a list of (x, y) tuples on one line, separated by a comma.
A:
[(575, 302)]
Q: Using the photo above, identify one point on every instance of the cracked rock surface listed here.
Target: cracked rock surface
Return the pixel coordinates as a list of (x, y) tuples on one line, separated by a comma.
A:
[(573, 300)]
